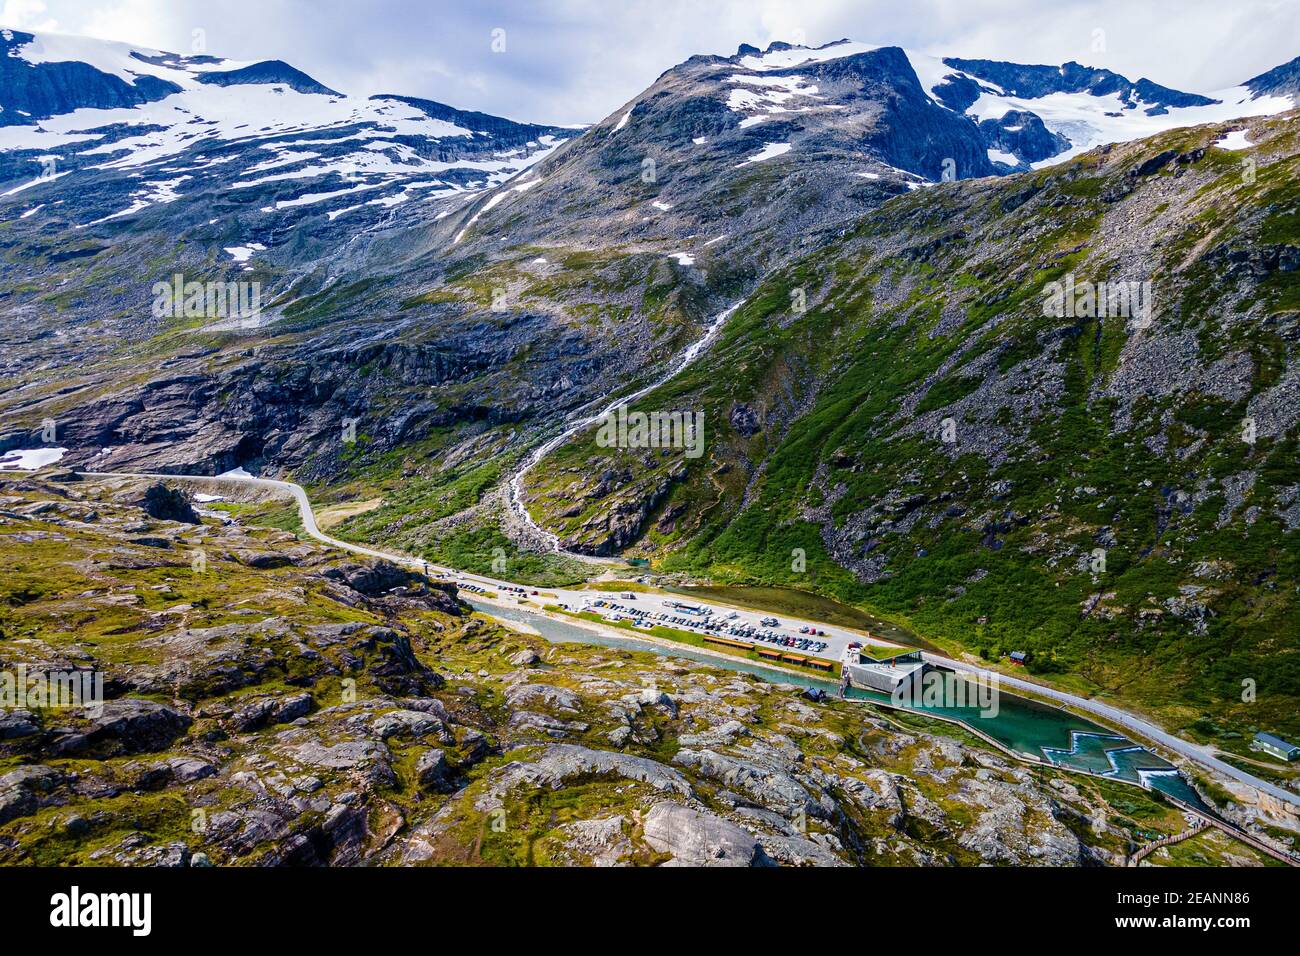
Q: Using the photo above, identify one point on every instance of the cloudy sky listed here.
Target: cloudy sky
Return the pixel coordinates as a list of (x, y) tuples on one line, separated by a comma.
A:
[(576, 61)]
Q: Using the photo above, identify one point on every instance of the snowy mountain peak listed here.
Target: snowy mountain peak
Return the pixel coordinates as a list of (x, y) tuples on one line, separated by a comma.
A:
[(46, 76), (267, 71), (129, 129), (1282, 80), (1031, 115), (123, 60)]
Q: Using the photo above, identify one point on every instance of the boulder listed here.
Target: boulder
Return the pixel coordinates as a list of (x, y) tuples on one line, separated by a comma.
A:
[(16, 724), (270, 710), (19, 790), (190, 769), (375, 580), (722, 735), (698, 839), (789, 850), (341, 756), (474, 746), (16, 803), (768, 786), (559, 698), (128, 725), (31, 777), (168, 504), (561, 763), (262, 560), (433, 771), (600, 842), (653, 698), (744, 420), (408, 723)]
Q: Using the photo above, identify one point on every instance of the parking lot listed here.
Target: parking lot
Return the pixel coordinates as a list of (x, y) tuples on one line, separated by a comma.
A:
[(646, 609), (703, 620), (761, 629)]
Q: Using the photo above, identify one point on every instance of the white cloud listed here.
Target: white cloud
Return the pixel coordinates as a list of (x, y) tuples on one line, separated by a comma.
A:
[(26, 15), (145, 22)]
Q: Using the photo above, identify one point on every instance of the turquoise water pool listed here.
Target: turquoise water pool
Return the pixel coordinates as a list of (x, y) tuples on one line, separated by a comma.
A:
[(1023, 726)]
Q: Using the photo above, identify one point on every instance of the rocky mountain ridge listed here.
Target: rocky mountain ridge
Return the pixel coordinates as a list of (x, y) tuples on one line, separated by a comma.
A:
[(384, 232)]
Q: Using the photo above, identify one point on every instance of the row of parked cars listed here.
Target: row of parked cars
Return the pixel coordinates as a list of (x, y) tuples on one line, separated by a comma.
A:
[(764, 633), (718, 625), (786, 640), (467, 585)]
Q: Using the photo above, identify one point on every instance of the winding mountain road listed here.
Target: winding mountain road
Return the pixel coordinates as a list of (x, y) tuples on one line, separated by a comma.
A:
[(1135, 725), (515, 496)]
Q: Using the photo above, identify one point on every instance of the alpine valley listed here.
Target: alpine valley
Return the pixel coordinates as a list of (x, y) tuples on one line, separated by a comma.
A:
[(879, 279)]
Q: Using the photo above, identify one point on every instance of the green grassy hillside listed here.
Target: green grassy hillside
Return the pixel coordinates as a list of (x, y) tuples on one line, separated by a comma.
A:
[(1119, 501)]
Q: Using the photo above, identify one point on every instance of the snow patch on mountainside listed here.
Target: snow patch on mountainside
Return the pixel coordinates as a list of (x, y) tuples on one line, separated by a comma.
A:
[(242, 254), (222, 113), (294, 131), (308, 199), (35, 182), (1089, 121), (29, 459), (770, 151), (1237, 139), (771, 94), (798, 56)]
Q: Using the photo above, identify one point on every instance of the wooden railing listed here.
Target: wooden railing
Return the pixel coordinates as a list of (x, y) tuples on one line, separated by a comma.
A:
[(1236, 832), (1170, 840)]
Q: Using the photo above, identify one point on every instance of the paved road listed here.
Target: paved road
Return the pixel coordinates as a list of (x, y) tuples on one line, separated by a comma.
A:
[(515, 486), (836, 637)]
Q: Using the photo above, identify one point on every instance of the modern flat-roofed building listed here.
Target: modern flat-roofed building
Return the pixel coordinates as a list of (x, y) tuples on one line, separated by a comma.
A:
[(885, 676), (1271, 744)]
